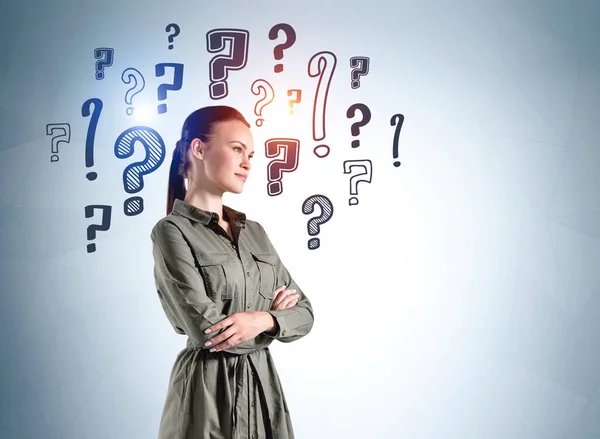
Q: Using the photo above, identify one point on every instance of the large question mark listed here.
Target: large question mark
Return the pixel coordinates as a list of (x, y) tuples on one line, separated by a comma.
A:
[(321, 64), (220, 65), (366, 117), (296, 100), (64, 137), (276, 168), (360, 66), (177, 82), (172, 27), (134, 75), (269, 94), (105, 56), (132, 176), (102, 227), (314, 223), (290, 39), (91, 132), (398, 120), (364, 164)]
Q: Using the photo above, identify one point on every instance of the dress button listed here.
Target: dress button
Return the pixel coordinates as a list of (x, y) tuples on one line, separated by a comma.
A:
[(249, 306), (283, 332), (252, 404), (254, 436), (248, 273)]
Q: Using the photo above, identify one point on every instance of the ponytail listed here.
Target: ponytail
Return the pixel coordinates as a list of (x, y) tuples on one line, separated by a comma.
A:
[(176, 188)]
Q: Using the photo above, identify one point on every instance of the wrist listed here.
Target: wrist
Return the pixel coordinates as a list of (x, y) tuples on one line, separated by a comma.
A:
[(270, 323)]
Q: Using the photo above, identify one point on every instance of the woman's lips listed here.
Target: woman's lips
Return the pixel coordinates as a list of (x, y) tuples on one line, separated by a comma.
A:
[(243, 177)]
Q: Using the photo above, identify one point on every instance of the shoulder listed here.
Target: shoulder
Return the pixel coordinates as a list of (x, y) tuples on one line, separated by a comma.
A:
[(167, 226)]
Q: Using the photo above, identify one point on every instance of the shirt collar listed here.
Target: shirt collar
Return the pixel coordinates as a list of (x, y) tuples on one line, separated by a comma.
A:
[(206, 217)]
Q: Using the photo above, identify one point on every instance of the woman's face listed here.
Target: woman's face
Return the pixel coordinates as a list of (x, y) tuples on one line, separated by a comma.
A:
[(228, 157)]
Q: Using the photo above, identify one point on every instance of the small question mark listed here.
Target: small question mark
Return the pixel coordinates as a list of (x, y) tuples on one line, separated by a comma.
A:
[(276, 168), (367, 166), (65, 137), (258, 86), (361, 68), (398, 120), (91, 132), (290, 39), (105, 56), (314, 223), (296, 100), (355, 129), (172, 27), (92, 229), (318, 67), (177, 82), (129, 75), (132, 176), (220, 65)]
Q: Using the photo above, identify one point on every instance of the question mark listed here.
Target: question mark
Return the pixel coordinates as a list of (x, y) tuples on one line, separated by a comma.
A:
[(276, 168), (296, 100), (367, 166), (355, 129), (361, 68), (127, 76), (105, 56), (177, 82), (91, 133), (92, 229), (65, 137), (220, 65), (398, 120), (317, 66), (313, 224), (170, 28), (132, 176), (290, 39), (269, 94)]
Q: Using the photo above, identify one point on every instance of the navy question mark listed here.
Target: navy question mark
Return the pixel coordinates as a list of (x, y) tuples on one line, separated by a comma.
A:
[(366, 113), (360, 66), (105, 56), (314, 223), (290, 39), (220, 65), (91, 133), (93, 228), (398, 120), (132, 176), (170, 28), (177, 82)]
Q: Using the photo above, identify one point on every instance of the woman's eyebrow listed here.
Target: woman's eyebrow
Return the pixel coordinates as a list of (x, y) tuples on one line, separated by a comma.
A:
[(241, 143)]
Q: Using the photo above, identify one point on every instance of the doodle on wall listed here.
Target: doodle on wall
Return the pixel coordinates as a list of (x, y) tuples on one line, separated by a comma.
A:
[(322, 66)]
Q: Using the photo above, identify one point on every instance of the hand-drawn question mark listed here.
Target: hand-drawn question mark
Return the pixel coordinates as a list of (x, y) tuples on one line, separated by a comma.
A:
[(290, 39), (314, 223), (355, 129), (65, 137), (296, 100), (221, 64), (361, 68), (132, 176), (364, 164), (170, 28), (398, 120), (177, 82), (276, 168), (91, 132), (105, 56), (102, 227), (322, 65), (258, 86), (134, 75)]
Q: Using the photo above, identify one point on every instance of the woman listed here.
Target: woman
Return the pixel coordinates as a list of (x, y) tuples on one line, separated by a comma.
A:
[(216, 275)]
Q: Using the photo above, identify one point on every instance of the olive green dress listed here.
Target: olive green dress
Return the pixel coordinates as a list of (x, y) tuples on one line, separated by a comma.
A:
[(202, 276)]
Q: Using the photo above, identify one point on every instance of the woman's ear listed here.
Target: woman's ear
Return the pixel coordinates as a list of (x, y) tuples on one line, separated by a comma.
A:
[(198, 148)]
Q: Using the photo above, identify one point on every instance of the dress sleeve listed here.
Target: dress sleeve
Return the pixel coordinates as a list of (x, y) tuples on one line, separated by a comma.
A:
[(181, 288), (295, 322)]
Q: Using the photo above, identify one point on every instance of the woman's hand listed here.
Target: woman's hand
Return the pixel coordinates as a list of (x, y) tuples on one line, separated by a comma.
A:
[(243, 326), (284, 298)]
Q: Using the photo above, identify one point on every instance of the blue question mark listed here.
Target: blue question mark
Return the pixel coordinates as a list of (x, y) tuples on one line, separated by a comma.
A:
[(177, 82), (132, 176)]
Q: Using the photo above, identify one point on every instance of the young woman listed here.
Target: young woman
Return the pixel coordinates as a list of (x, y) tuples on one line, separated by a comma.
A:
[(221, 282)]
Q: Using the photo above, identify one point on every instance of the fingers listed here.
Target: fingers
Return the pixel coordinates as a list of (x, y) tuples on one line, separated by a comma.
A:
[(288, 302), (222, 341), (280, 297), (222, 324)]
